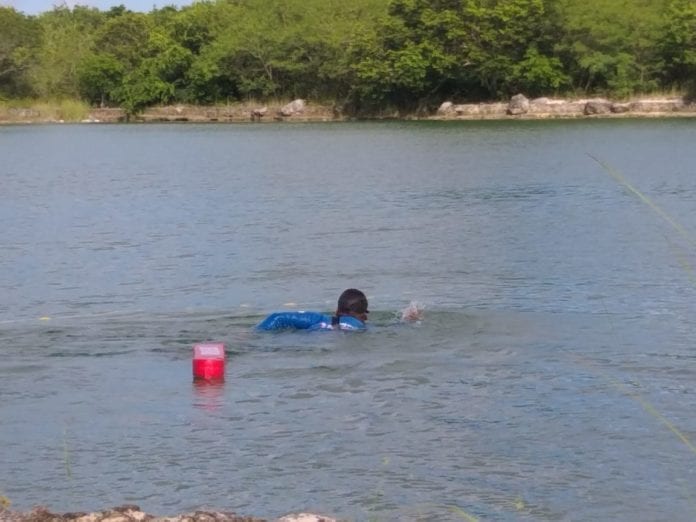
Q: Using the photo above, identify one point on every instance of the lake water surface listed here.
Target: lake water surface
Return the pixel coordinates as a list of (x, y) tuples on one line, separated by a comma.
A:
[(553, 376)]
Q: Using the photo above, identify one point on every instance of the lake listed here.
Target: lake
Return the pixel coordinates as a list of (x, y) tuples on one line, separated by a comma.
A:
[(551, 378)]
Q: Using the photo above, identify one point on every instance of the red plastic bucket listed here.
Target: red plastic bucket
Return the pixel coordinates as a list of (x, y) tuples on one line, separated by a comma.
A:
[(209, 362)]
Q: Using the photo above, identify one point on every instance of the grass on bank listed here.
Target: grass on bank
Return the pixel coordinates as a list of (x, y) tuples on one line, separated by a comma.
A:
[(27, 110)]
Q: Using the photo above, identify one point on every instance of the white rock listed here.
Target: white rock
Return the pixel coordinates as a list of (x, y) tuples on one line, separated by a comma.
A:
[(446, 108), (294, 107), (305, 517)]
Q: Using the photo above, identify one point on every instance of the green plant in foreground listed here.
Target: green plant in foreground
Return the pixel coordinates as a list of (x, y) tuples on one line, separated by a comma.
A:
[(4, 502)]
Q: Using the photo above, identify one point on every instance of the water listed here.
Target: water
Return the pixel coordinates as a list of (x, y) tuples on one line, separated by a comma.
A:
[(552, 377)]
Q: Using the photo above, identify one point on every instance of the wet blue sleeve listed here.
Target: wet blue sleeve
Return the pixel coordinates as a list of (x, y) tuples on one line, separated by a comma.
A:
[(347, 322), (295, 320)]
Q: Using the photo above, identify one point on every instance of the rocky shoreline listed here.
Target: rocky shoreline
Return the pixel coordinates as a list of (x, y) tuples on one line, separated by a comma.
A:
[(521, 107), (132, 513), (518, 107)]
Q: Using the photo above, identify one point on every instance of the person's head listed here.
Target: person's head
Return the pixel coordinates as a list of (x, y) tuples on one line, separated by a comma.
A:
[(354, 303)]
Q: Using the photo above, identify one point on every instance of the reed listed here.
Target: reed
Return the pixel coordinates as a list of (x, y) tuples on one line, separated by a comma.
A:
[(30, 110), (63, 110)]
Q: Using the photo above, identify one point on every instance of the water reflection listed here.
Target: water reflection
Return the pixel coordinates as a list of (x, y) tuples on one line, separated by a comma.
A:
[(208, 395)]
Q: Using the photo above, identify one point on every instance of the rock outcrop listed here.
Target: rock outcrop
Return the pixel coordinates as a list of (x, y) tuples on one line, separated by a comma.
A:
[(597, 106), (132, 513), (520, 106), (258, 113), (292, 108)]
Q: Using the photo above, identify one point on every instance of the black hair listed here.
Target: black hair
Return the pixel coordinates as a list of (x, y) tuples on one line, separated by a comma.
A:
[(352, 301)]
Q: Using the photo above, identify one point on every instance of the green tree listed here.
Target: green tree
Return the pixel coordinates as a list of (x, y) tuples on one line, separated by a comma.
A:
[(248, 48), (512, 47), (138, 63), (430, 49), (191, 27), (678, 46), (140, 89), (364, 54), (99, 76), (263, 48), (611, 45), (537, 74), (67, 37), (157, 76), (19, 37), (411, 56), (125, 37), (208, 81)]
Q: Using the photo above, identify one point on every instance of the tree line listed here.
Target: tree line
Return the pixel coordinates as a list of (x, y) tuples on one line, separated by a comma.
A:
[(362, 55)]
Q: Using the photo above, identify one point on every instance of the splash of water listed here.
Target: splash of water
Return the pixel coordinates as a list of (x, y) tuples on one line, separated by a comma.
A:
[(413, 312)]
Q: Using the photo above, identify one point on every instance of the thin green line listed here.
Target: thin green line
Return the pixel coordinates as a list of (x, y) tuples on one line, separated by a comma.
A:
[(466, 516), (645, 199)]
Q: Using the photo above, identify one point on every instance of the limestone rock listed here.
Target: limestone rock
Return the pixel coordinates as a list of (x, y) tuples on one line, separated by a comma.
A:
[(116, 518), (258, 113), (493, 109), (294, 107), (597, 106), (305, 517), (480, 110), (90, 517), (552, 107), (467, 109), (657, 105), (519, 104), (446, 108), (620, 108)]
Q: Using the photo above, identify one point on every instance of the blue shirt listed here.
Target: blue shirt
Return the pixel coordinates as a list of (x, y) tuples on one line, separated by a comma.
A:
[(308, 321)]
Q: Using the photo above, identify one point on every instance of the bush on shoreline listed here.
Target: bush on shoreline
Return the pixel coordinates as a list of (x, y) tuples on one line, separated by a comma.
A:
[(370, 56)]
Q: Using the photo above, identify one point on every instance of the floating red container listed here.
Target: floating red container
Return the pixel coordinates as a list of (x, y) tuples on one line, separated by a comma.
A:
[(209, 362)]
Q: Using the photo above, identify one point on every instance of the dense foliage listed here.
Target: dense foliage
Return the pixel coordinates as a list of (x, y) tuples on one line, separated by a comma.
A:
[(364, 55)]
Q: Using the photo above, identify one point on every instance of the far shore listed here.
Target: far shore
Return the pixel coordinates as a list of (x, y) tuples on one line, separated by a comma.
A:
[(518, 108)]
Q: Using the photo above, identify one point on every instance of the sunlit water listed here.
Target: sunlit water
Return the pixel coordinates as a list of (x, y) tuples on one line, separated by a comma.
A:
[(551, 378)]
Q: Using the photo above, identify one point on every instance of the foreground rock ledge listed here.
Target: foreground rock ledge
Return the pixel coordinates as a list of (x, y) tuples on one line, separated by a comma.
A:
[(131, 513)]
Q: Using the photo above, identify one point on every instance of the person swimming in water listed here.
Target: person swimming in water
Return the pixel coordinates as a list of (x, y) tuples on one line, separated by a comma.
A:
[(351, 314)]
